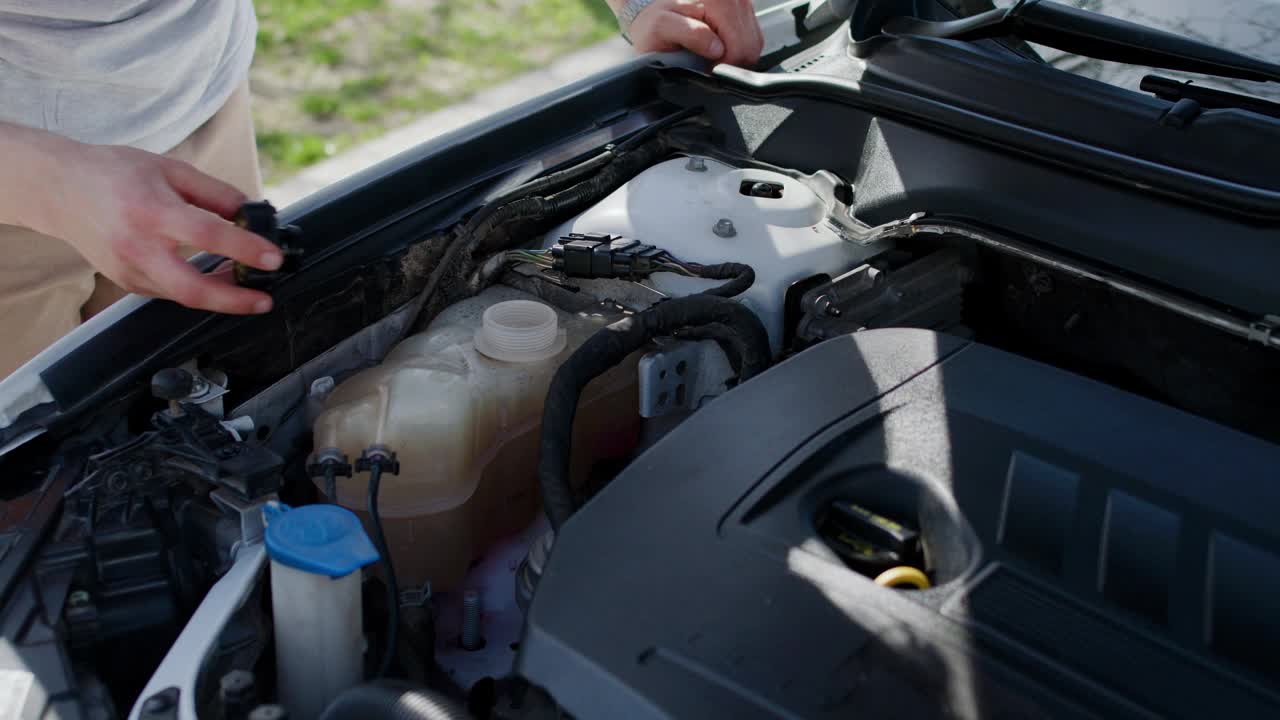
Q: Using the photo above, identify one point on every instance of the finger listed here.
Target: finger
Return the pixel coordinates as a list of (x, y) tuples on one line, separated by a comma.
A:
[(693, 35), (224, 272), (757, 47), (173, 278), (738, 28), (199, 229), (203, 191)]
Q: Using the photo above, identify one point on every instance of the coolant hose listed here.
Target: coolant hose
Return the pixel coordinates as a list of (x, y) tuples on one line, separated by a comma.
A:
[(393, 588), (610, 346), (393, 701)]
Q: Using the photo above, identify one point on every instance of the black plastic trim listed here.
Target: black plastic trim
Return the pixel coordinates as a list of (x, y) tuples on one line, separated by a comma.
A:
[(1133, 172)]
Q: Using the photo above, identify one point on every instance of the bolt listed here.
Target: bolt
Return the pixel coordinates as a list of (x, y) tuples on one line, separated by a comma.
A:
[(696, 164), (1041, 282), (237, 690), (471, 637), (823, 305), (199, 386), (117, 482), (724, 228)]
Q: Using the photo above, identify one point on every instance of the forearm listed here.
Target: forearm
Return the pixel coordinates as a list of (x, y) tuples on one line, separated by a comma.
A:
[(29, 162)]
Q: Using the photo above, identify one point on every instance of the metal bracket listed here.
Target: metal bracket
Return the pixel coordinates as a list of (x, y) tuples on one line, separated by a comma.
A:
[(1264, 330), (681, 375), (855, 231), (207, 387), (249, 512), (416, 597)]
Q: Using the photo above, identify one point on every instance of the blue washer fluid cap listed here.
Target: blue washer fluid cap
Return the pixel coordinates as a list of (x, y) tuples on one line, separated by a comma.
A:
[(321, 539)]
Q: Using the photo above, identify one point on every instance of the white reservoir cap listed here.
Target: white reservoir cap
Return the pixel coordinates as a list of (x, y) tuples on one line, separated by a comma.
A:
[(520, 331)]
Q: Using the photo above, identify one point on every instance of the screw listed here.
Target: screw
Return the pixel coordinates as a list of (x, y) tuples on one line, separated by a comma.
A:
[(696, 164), (724, 228), (471, 637)]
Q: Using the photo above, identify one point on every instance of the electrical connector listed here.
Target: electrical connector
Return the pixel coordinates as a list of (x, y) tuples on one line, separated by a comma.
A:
[(597, 255)]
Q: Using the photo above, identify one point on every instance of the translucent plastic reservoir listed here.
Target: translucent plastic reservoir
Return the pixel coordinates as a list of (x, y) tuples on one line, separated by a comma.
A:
[(461, 405), (706, 212)]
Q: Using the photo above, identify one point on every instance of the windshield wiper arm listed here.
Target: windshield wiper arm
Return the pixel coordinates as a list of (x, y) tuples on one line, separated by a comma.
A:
[(1092, 35), (1209, 98)]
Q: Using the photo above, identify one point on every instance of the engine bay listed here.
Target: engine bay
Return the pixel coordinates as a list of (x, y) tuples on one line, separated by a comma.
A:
[(671, 430)]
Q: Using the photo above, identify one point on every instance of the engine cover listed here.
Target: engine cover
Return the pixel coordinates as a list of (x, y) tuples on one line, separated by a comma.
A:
[(1093, 553)]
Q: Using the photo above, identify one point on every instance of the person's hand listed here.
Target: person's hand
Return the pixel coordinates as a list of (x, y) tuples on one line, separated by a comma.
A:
[(719, 30), (128, 211)]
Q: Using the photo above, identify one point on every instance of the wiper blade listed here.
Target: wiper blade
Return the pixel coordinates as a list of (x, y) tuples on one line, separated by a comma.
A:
[(1092, 35), (1175, 90)]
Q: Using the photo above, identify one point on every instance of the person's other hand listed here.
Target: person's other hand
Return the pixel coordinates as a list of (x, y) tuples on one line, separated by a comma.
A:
[(719, 30), (128, 211)]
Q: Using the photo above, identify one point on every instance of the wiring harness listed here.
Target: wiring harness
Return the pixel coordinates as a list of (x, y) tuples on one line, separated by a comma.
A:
[(597, 256)]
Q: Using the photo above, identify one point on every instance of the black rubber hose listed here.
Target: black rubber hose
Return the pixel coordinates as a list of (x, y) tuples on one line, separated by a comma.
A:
[(571, 200), (542, 185), (610, 346), (393, 701), (330, 482), (740, 278), (728, 340), (646, 134), (393, 589), (562, 178)]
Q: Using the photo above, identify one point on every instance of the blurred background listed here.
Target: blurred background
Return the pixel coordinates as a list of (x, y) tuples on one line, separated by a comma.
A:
[(330, 74)]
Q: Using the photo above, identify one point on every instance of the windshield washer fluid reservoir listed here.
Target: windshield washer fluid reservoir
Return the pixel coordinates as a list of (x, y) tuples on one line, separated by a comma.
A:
[(779, 226), (461, 405)]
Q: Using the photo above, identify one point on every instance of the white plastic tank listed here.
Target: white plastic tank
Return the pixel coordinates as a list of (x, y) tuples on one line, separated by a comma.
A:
[(461, 406), (677, 205), (316, 554)]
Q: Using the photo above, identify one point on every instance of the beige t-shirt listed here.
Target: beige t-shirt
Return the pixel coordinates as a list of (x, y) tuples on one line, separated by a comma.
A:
[(144, 73)]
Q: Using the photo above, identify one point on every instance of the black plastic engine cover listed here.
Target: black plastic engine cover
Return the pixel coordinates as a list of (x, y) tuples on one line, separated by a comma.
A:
[(1095, 553)]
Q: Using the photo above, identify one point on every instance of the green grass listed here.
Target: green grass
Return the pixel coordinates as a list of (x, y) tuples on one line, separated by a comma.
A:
[(344, 71), (321, 106), (327, 55), (296, 150), (294, 21), (365, 87)]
